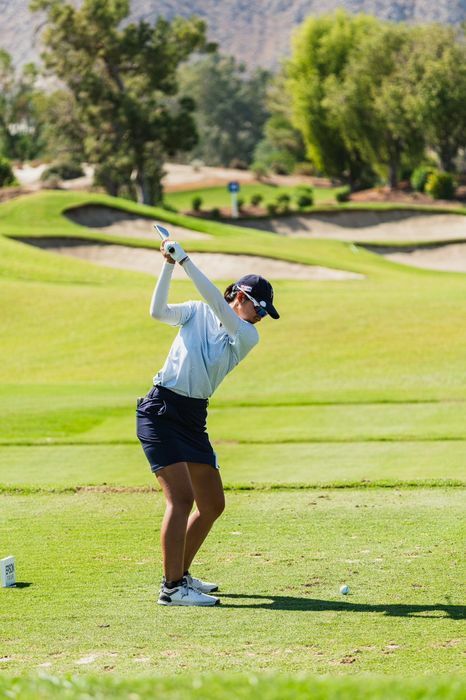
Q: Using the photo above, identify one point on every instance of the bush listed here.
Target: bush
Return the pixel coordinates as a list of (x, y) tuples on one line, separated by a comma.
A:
[(440, 185), (215, 213), (6, 173), (259, 170), (284, 199), (272, 158), (271, 208), (256, 199), (196, 203), (304, 200), (344, 194), (238, 164), (304, 196), (283, 203), (282, 162), (64, 169), (240, 203), (304, 169), (420, 176)]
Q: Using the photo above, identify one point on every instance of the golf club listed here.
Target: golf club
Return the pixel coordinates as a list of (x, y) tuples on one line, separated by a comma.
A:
[(164, 235)]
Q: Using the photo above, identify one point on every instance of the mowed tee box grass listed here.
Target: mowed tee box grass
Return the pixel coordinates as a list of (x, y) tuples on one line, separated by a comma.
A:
[(359, 383)]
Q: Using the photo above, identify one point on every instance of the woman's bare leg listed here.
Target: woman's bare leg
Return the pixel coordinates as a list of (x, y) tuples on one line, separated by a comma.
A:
[(210, 501), (176, 484)]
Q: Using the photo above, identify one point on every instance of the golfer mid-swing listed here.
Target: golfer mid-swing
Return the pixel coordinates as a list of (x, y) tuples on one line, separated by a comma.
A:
[(171, 419)]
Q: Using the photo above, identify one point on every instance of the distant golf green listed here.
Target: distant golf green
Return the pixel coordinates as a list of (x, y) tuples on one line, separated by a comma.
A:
[(220, 197), (340, 438)]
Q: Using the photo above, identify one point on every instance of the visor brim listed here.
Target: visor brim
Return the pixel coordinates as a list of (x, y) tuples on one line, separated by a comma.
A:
[(272, 311)]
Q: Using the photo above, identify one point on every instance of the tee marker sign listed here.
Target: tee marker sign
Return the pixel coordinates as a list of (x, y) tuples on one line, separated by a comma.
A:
[(8, 572), (234, 187)]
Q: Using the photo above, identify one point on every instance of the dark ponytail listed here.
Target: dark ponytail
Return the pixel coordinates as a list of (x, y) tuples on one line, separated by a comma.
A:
[(230, 293)]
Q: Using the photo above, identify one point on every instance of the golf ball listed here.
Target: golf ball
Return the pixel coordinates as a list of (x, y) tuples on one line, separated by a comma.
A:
[(344, 590)]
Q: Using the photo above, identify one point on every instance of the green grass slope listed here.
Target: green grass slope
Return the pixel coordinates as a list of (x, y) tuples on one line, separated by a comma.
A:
[(42, 214), (360, 385), (366, 376)]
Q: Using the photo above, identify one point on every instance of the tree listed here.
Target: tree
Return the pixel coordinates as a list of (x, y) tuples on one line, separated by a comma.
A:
[(20, 124), (230, 108), (321, 50), (371, 105), (123, 83), (436, 70), (63, 132), (282, 146)]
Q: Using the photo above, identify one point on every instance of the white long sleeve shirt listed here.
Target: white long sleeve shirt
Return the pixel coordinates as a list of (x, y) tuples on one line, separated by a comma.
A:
[(211, 341)]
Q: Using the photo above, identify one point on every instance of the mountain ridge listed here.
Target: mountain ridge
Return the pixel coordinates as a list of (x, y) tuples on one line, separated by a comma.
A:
[(257, 34)]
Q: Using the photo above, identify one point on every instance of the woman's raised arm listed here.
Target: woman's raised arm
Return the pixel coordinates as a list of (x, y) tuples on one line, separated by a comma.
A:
[(172, 314)]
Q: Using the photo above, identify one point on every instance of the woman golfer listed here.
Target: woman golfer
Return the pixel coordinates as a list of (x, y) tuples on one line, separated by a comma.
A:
[(171, 419)]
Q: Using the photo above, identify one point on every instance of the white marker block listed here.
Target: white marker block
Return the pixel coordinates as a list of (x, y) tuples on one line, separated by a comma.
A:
[(8, 571)]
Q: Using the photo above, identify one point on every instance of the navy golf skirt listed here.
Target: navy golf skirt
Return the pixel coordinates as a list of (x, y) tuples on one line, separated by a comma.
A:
[(172, 428)]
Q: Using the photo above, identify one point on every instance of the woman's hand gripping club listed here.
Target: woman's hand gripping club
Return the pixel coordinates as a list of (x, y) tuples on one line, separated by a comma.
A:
[(171, 250)]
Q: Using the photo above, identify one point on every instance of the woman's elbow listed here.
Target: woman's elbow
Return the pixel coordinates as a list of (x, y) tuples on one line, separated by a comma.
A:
[(155, 313)]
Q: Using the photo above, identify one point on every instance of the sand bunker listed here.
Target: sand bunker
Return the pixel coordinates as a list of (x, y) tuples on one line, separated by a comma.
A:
[(448, 258), (121, 223), (368, 226), (358, 226), (215, 265)]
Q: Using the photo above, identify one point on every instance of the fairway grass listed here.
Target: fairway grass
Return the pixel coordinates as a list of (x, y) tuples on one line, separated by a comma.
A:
[(360, 385), (59, 436), (89, 574), (303, 465)]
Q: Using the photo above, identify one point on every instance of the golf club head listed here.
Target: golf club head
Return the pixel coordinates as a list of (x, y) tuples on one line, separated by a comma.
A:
[(162, 231), (164, 235)]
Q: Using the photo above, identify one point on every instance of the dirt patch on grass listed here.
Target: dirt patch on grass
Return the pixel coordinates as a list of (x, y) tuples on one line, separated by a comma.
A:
[(216, 265), (405, 195), (184, 177), (118, 222), (408, 226)]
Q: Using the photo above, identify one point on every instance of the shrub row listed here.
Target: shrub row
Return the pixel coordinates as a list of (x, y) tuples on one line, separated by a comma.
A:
[(304, 197)]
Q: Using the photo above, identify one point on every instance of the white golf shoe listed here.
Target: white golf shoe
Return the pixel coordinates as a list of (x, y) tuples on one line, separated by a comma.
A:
[(201, 586), (184, 594)]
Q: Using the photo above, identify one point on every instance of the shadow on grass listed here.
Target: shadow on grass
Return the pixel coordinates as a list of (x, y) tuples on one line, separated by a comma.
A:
[(454, 612)]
